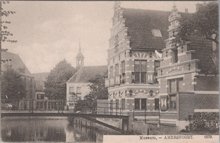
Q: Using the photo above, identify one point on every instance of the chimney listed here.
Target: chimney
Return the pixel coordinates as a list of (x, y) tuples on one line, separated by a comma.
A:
[(186, 10)]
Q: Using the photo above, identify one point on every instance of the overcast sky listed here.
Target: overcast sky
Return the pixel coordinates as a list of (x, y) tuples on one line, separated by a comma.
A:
[(48, 32)]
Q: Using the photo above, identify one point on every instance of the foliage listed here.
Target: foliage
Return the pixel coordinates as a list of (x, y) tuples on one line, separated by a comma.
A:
[(205, 121), (5, 33), (83, 106), (204, 22), (98, 91), (13, 86), (55, 86)]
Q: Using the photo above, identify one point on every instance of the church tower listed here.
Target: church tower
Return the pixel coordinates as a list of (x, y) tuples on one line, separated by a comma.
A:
[(79, 59)]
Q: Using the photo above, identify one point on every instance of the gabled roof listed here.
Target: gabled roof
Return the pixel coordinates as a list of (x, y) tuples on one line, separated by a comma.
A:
[(84, 74), (140, 24), (16, 63)]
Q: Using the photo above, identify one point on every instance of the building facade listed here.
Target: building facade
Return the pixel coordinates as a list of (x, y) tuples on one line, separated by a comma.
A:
[(77, 87), (41, 102), (187, 76), (137, 37), (156, 76)]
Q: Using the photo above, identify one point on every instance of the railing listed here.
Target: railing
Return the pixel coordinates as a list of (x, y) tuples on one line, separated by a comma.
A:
[(183, 67), (33, 105), (54, 106), (59, 106)]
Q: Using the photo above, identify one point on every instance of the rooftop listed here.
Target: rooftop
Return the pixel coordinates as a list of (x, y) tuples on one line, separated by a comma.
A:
[(147, 29), (85, 74), (15, 62)]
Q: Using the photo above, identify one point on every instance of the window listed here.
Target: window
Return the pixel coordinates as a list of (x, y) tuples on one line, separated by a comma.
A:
[(172, 102), (71, 90), (172, 86), (111, 104), (174, 56), (140, 103), (156, 64), (122, 104), (143, 104), (151, 93), (122, 72), (175, 85), (156, 100), (140, 68), (156, 33), (137, 104), (143, 77), (150, 78), (117, 104), (180, 86), (78, 90)]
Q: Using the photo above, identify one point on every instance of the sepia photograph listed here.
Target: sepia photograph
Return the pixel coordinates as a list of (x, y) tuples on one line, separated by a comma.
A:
[(109, 71)]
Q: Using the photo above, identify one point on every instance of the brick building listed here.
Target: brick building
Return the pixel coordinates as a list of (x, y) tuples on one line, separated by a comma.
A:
[(154, 76), (137, 37), (187, 76)]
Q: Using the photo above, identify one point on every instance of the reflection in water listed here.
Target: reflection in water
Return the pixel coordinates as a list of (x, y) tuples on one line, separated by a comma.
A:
[(44, 129)]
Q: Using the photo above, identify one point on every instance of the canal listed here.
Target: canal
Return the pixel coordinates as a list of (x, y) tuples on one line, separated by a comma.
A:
[(49, 129)]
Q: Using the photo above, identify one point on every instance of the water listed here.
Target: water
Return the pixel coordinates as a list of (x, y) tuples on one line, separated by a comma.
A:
[(32, 129)]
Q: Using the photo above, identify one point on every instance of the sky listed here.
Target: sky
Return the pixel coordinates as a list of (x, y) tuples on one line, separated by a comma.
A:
[(50, 31)]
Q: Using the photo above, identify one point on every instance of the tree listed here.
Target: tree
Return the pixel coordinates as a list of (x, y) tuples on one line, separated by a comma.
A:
[(13, 86), (204, 22), (55, 86), (97, 87), (4, 34), (97, 91)]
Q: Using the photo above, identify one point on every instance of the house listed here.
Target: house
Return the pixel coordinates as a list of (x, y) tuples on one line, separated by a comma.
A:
[(187, 76), (151, 75), (40, 100), (137, 38), (78, 85), (11, 60)]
